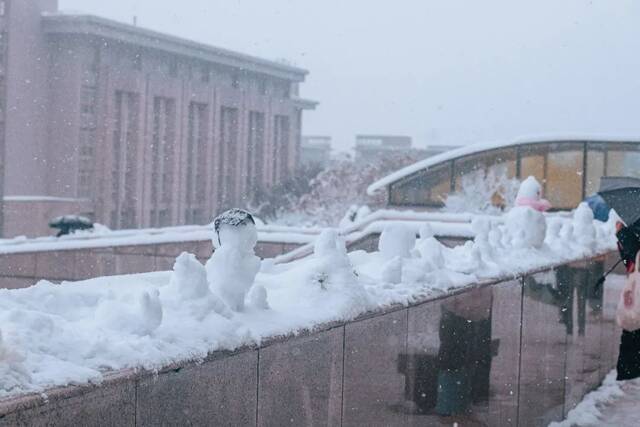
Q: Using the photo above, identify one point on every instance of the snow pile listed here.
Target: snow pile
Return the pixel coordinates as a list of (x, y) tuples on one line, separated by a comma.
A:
[(614, 403), (139, 314), (527, 227), (74, 332), (13, 375), (188, 287)]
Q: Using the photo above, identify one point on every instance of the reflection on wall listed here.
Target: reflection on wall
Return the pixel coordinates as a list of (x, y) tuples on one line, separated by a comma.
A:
[(449, 371), (570, 290)]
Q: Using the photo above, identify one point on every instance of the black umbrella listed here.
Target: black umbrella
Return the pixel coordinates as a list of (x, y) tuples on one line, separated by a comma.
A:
[(69, 223), (622, 194)]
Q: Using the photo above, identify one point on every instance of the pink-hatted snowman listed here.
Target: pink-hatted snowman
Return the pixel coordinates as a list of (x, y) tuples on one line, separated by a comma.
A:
[(530, 194)]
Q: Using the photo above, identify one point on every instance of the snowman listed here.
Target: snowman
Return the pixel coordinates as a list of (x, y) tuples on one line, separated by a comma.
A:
[(232, 268), (526, 223)]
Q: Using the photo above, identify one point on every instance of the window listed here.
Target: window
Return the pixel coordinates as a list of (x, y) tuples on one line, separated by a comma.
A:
[(255, 150), (595, 168), (424, 188), (533, 161), (173, 68), (3, 49), (227, 165), (262, 86), (196, 158), (137, 61), (204, 74), (564, 175), (498, 161), (559, 168), (235, 81), (623, 160), (281, 131), (163, 159), (3, 7), (125, 159)]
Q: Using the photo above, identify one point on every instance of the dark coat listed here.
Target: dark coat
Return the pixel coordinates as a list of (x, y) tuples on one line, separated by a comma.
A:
[(629, 359), (628, 366)]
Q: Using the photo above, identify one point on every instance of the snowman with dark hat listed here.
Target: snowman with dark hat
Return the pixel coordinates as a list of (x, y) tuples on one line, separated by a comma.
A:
[(232, 268)]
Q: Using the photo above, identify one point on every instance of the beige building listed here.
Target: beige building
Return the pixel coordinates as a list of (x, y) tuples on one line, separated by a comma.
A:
[(131, 127)]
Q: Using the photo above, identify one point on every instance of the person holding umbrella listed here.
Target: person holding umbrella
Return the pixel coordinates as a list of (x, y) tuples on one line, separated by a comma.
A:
[(622, 194)]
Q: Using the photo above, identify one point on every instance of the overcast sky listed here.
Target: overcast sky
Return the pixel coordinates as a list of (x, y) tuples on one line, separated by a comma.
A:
[(443, 72)]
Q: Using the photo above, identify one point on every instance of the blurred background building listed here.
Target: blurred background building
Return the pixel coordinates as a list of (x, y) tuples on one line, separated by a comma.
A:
[(371, 148), (131, 127), (315, 151), (434, 150)]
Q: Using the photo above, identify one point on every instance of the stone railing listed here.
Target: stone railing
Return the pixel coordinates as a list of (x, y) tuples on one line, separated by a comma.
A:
[(521, 352), (24, 262), (23, 269)]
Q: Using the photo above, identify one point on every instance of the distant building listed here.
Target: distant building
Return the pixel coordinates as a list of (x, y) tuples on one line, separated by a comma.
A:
[(371, 148), (434, 150), (132, 127), (315, 151)]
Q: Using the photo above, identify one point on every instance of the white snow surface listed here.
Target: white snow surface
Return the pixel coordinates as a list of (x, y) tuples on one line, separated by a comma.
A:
[(476, 148), (101, 236), (75, 332), (613, 404)]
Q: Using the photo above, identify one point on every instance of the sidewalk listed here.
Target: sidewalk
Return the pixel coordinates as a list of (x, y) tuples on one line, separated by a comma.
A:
[(614, 404)]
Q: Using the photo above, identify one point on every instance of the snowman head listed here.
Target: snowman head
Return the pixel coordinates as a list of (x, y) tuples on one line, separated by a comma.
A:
[(236, 228), (530, 189)]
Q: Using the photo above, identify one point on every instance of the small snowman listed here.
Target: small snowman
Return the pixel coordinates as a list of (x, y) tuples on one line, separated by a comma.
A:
[(530, 194), (232, 268), (525, 222), (584, 230)]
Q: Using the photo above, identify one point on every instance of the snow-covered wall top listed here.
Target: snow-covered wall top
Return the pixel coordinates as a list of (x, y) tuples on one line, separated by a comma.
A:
[(102, 237), (53, 335), (476, 148)]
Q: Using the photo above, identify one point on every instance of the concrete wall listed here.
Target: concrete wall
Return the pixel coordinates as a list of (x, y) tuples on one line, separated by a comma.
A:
[(519, 352), (22, 270)]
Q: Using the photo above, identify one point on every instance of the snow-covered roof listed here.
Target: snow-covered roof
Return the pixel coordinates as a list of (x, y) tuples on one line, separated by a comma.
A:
[(83, 24), (480, 147)]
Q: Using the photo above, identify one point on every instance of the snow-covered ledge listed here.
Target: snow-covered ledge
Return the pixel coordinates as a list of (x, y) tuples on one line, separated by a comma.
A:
[(104, 340)]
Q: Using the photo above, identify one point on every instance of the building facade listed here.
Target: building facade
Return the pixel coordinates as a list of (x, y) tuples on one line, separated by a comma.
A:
[(315, 151), (371, 148), (569, 169), (132, 127)]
